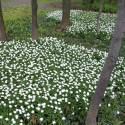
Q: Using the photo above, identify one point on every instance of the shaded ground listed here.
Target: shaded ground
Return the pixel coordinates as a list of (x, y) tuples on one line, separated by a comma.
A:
[(13, 3), (59, 5)]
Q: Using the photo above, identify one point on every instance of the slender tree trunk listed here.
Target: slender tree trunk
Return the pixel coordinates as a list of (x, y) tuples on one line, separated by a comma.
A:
[(88, 1), (110, 1), (91, 1), (108, 66), (66, 15), (99, 14), (34, 19), (3, 36)]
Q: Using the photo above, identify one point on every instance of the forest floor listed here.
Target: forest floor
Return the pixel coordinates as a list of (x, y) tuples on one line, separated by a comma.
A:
[(53, 79), (45, 5), (13, 3), (56, 4)]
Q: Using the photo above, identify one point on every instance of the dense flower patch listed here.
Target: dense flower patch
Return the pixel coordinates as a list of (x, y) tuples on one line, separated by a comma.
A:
[(84, 21), (53, 81)]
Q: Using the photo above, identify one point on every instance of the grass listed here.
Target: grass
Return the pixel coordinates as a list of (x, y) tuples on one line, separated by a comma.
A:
[(95, 6), (14, 13), (49, 1)]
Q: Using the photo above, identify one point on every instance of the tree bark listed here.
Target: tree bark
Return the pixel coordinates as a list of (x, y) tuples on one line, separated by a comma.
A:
[(99, 14), (109, 65), (65, 16), (88, 1), (34, 19), (110, 1), (3, 36), (91, 1)]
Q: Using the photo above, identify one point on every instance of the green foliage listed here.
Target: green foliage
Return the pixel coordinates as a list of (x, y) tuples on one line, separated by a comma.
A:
[(49, 1), (47, 66), (14, 13), (112, 8), (19, 27)]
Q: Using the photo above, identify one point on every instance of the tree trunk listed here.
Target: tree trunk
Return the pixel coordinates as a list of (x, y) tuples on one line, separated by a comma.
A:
[(34, 20), (110, 1), (99, 14), (3, 36), (91, 1), (108, 66), (65, 16), (88, 1)]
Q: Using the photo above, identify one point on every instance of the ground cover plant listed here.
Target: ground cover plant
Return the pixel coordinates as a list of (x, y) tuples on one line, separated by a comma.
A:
[(78, 32), (85, 21), (54, 81), (107, 7), (51, 80), (18, 25)]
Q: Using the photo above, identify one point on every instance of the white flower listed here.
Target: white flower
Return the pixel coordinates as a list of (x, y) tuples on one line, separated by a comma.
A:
[(53, 122), (1, 117), (7, 119), (41, 119), (63, 118)]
